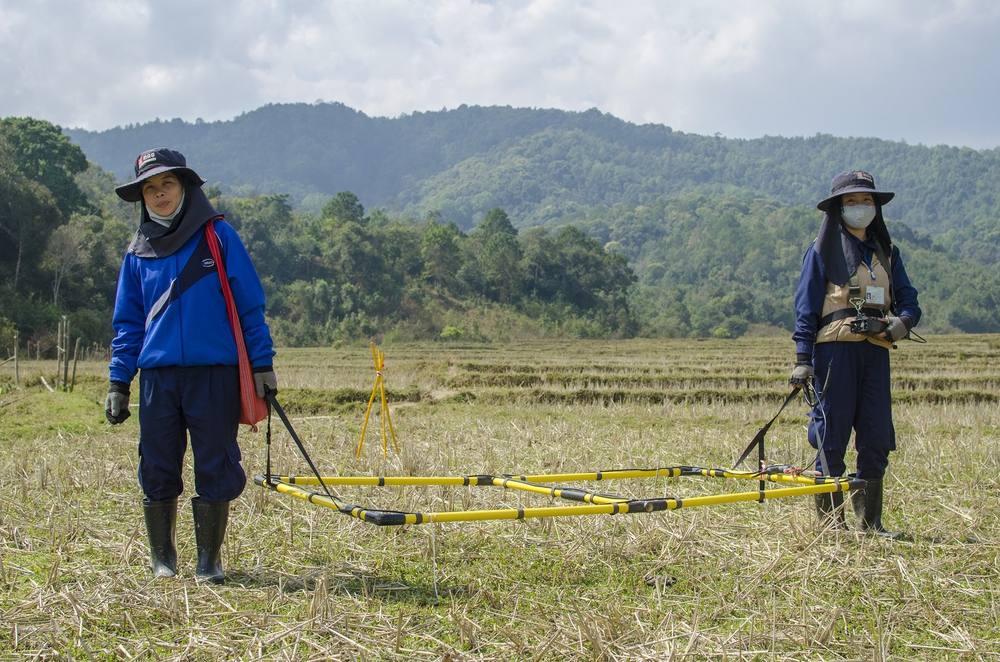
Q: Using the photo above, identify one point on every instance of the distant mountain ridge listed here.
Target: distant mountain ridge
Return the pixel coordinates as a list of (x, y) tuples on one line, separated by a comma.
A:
[(543, 164)]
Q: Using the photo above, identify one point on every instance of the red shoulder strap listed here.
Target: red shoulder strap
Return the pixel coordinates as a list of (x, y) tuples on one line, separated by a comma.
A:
[(252, 408)]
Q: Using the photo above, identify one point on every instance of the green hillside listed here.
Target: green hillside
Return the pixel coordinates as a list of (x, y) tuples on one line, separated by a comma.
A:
[(489, 224), (540, 165)]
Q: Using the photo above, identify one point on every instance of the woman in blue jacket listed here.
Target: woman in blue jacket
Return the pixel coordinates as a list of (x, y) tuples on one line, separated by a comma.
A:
[(171, 326), (850, 274)]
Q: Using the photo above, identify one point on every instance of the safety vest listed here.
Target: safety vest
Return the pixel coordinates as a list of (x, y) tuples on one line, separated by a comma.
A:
[(838, 310)]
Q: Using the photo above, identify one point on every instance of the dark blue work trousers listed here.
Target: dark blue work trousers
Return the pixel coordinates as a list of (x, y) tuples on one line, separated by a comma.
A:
[(205, 402), (857, 397)]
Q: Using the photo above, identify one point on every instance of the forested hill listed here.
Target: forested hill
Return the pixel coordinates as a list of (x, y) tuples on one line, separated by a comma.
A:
[(590, 227), (544, 165)]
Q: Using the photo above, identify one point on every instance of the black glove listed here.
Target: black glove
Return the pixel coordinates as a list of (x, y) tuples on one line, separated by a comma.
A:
[(897, 328), (116, 404), (802, 372), (264, 378)]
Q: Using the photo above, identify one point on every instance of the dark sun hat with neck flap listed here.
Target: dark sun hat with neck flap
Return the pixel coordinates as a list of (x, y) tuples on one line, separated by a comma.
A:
[(854, 181), (154, 162)]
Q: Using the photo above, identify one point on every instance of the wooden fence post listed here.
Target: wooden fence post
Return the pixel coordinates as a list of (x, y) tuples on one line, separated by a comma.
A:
[(55, 381), (65, 366), (76, 354)]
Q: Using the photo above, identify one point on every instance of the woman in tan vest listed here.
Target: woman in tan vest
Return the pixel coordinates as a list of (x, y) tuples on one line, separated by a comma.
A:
[(854, 301)]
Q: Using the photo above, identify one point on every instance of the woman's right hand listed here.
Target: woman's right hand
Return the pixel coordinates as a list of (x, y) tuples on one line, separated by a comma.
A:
[(801, 374), (116, 403)]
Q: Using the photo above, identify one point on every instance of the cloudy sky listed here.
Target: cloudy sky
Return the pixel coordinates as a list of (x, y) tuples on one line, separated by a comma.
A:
[(924, 71)]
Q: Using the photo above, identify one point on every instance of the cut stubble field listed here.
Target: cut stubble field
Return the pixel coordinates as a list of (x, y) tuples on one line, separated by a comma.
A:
[(731, 582)]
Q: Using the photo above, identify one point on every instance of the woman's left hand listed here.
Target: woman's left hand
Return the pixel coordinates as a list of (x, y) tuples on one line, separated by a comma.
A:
[(896, 330), (265, 381)]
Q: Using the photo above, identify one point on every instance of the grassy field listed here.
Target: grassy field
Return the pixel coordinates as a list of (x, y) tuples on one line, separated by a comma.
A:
[(733, 582)]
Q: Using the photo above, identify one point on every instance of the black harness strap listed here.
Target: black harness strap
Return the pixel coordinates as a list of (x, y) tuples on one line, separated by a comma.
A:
[(273, 402), (758, 439), (844, 313), (199, 265)]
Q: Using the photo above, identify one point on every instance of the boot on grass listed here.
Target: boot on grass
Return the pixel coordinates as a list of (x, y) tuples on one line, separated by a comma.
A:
[(867, 503), (830, 508), (210, 518), (161, 529)]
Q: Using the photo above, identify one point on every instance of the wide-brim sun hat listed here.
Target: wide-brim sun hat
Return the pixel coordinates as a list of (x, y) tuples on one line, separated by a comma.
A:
[(854, 181), (154, 162)]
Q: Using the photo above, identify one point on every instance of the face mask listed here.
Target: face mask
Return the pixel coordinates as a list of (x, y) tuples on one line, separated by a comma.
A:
[(858, 216)]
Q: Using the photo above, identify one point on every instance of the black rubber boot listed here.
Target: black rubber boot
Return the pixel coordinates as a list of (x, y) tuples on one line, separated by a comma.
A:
[(210, 519), (830, 508), (161, 529), (867, 503)]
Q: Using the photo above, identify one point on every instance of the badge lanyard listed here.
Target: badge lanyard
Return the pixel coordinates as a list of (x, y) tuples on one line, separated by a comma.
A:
[(868, 263)]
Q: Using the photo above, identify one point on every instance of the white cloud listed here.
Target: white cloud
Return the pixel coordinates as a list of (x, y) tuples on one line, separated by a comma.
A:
[(923, 70)]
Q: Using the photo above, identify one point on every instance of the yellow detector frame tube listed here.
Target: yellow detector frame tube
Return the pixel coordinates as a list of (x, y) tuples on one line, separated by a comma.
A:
[(611, 507)]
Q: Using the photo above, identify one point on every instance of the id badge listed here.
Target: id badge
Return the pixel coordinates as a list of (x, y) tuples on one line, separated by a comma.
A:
[(875, 296)]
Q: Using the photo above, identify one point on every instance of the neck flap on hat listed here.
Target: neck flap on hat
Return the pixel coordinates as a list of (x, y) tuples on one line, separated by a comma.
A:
[(154, 240), (840, 256)]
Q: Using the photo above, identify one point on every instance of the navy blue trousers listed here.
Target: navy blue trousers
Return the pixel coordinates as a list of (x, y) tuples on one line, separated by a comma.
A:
[(857, 398), (205, 402)]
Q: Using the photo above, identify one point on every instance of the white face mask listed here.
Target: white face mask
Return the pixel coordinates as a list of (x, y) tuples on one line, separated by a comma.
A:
[(858, 216)]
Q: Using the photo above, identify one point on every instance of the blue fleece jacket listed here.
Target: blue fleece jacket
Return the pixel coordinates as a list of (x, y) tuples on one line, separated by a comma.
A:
[(169, 311)]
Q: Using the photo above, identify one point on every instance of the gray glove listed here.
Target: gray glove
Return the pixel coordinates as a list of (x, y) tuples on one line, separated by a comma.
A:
[(116, 404), (897, 329), (801, 374), (264, 378)]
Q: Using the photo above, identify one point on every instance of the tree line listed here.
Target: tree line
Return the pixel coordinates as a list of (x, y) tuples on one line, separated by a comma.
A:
[(720, 266), (692, 264), (343, 274), (346, 274)]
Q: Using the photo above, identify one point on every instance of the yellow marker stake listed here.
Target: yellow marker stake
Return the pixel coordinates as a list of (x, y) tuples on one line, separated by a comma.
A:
[(386, 416), (385, 406), (378, 357), (368, 411)]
